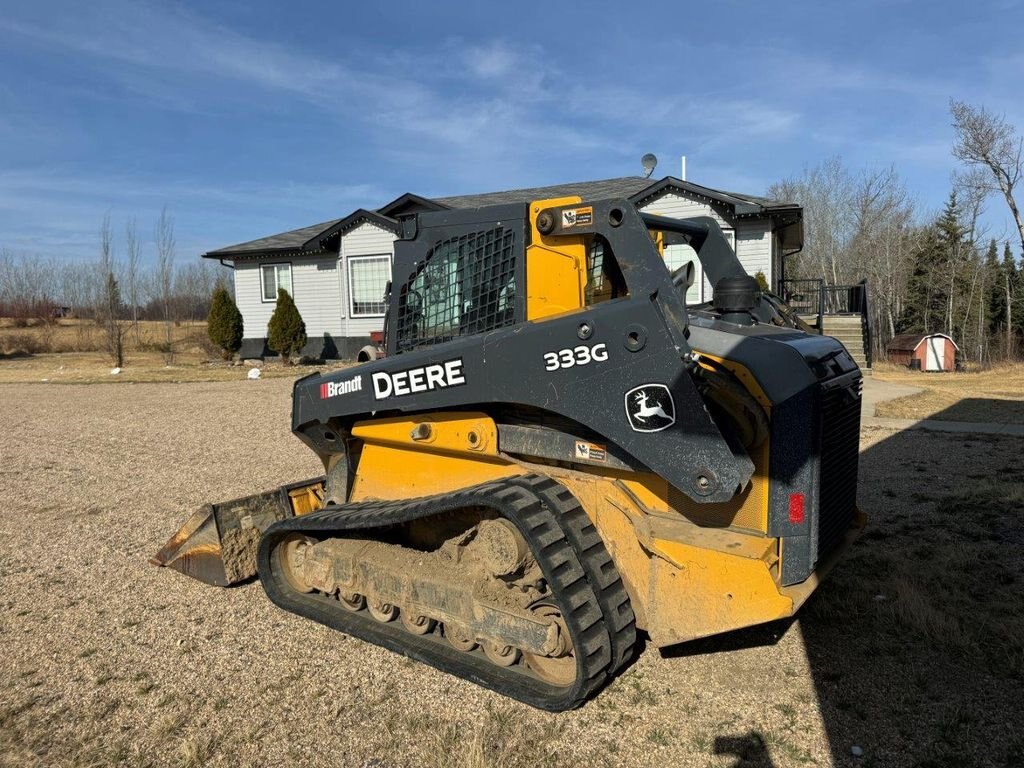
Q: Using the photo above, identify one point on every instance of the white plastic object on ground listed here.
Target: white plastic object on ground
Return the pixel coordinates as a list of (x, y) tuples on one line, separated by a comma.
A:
[(254, 373)]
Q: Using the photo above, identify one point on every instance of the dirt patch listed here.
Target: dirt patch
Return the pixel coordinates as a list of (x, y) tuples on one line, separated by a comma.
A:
[(910, 650)]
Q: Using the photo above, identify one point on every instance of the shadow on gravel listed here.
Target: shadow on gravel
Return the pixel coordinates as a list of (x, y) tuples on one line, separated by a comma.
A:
[(916, 640), (741, 639), (750, 750)]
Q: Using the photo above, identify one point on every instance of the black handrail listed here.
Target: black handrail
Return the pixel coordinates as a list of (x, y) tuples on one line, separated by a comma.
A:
[(813, 296)]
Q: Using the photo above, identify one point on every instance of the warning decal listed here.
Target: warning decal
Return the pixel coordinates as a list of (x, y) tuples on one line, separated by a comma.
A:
[(591, 451), (577, 217)]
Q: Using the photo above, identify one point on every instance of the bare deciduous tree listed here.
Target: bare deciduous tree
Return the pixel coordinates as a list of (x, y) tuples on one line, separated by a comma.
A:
[(986, 141), (165, 279), (108, 310), (825, 192), (133, 252)]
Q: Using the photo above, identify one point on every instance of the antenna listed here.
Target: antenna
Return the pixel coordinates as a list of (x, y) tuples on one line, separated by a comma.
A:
[(648, 161)]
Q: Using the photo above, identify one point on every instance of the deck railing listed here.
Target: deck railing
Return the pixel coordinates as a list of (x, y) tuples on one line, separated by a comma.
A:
[(817, 298)]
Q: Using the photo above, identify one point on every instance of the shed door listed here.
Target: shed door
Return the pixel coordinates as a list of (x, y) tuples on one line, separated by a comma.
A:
[(935, 358)]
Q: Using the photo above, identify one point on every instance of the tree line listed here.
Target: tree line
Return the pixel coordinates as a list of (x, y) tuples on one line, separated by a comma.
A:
[(117, 291), (926, 272)]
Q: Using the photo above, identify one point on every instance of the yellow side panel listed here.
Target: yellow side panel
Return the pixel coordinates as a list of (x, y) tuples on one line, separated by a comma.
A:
[(711, 592), (748, 509), (459, 432), (387, 472), (681, 590), (406, 457), (556, 268)]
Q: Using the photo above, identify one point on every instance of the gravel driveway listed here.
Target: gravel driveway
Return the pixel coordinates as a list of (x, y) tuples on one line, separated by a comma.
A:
[(107, 660)]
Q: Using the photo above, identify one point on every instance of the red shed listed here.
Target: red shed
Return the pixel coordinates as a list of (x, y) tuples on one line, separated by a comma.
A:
[(931, 351)]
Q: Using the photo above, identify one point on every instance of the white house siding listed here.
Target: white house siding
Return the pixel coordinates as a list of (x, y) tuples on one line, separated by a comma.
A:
[(753, 238), (314, 288), (679, 207), (754, 246), (365, 240), (255, 314)]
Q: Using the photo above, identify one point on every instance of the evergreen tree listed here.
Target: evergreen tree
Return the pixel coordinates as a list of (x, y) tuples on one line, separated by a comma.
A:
[(952, 262), (924, 306), (287, 330), (1012, 284), (996, 304), (224, 324)]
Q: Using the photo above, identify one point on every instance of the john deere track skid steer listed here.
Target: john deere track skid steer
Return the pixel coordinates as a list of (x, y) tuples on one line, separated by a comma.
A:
[(555, 452)]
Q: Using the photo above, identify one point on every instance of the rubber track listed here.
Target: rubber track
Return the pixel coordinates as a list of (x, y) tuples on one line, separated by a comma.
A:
[(582, 578)]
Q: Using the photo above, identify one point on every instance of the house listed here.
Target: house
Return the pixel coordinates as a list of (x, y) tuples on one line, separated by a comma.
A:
[(923, 351), (337, 271)]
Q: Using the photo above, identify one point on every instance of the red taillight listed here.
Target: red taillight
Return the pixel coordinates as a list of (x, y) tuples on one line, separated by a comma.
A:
[(796, 508)]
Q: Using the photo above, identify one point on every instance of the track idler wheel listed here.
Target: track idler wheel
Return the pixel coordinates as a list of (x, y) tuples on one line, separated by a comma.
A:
[(559, 668), (292, 554)]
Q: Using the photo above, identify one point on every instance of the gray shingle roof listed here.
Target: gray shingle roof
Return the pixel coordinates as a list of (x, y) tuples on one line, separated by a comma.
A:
[(284, 241), (624, 187), (633, 187)]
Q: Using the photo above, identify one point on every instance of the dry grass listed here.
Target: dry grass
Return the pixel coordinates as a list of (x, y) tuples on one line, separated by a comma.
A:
[(74, 335), (67, 352), (993, 395), (912, 649), (140, 367)]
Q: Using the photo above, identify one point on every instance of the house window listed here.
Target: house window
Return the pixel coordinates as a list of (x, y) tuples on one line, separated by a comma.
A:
[(274, 276), (367, 280)]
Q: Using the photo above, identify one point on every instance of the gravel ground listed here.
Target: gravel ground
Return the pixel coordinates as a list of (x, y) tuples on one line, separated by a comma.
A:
[(109, 661)]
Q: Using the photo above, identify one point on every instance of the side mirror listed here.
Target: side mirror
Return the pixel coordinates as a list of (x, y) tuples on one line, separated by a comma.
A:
[(684, 275)]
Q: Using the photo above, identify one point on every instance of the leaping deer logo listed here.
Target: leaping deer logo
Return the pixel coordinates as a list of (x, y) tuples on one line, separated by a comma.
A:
[(646, 411), (650, 408)]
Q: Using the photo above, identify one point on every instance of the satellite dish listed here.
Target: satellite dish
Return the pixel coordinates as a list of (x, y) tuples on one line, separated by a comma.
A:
[(648, 161)]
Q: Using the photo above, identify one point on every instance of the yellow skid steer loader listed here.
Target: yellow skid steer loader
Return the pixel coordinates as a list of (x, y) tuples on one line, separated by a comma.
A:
[(555, 452)]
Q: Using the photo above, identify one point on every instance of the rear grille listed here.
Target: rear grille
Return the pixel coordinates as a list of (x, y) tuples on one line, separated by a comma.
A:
[(840, 449)]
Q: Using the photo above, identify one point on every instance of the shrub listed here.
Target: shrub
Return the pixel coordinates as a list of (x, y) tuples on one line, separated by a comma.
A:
[(761, 280), (224, 324), (287, 331), (21, 344)]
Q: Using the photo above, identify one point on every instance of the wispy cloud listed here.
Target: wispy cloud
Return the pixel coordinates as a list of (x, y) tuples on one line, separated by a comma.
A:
[(485, 101), (57, 212), (465, 113)]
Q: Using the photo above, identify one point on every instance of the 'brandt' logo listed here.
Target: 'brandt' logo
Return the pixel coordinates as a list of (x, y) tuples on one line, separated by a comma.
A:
[(332, 388), (424, 379)]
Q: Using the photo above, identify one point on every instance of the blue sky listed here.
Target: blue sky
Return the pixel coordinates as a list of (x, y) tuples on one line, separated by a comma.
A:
[(248, 118)]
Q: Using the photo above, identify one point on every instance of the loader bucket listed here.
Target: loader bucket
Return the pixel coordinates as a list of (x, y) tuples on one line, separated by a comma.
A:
[(218, 543)]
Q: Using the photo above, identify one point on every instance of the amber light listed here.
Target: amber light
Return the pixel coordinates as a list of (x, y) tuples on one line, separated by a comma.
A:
[(796, 508)]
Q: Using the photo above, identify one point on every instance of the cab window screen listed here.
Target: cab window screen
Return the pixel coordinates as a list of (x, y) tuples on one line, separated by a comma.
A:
[(467, 285)]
